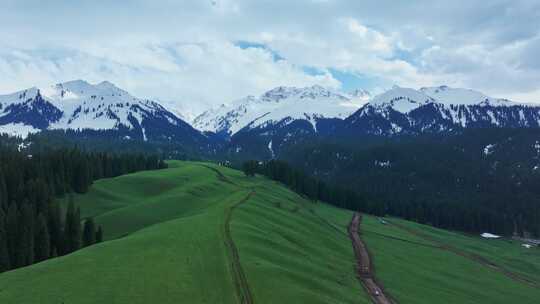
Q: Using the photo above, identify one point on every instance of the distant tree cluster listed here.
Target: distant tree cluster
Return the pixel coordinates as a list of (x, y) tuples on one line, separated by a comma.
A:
[(312, 188), (33, 227)]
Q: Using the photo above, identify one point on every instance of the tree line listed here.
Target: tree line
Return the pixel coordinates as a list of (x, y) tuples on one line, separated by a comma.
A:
[(33, 226), (312, 188), (480, 180)]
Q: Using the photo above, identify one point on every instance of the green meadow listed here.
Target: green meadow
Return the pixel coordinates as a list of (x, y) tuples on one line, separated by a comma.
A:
[(165, 243), (201, 233), (415, 270)]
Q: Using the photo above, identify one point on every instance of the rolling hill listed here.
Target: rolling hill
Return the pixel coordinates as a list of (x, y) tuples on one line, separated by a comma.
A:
[(177, 226), (202, 233)]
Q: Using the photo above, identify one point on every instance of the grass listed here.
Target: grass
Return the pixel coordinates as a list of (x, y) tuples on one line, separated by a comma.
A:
[(413, 270), (504, 252), (166, 244)]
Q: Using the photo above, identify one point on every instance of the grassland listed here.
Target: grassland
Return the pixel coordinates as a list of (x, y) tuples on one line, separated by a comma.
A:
[(415, 270), (507, 253), (165, 233), (168, 240)]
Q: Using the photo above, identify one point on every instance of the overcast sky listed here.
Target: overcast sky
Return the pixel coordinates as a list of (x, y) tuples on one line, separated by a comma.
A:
[(201, 53)]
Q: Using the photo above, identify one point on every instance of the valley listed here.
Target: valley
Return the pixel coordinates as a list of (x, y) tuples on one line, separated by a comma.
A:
[(213, 235), (263, 152)]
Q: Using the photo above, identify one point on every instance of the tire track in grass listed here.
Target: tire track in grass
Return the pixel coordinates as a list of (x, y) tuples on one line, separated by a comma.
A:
[(364, 266), (471, 256), (220, 175), (239, 277)]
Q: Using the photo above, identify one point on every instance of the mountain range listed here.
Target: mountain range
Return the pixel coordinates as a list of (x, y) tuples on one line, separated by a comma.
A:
[(261, 126), (79, 105)]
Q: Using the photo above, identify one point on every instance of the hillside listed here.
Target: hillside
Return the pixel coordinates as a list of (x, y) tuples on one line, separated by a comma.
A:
[(202, 233), (421, 264), (176, 245)]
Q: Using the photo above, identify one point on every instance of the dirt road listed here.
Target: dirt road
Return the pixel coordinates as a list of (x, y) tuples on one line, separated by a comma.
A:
[(239, 277), (364, 268)]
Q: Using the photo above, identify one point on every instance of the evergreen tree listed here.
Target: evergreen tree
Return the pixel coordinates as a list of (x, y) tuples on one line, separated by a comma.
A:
[(55, 228), (25, 248), (99, 235), (54, 253), (82, 176), (12, 225), (4, 253), (33, 224), (89, 232), (72, 230), (3, 192), (42, 240), (250, 168)]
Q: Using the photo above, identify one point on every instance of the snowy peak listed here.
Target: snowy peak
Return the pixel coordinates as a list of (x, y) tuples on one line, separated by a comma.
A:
[(405, 100), (402, 100), (80, 89), (279, 104), (360, 93), (313, 92), (19, 97), (458, 96), (79, 105), (439, 109)]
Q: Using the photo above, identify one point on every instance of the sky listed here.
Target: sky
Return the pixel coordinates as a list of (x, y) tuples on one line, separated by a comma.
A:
[(197, 54)]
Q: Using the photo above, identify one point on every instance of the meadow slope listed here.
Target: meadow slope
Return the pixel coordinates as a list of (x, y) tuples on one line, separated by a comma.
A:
[(201, 233), (166, 235), (416, 270)]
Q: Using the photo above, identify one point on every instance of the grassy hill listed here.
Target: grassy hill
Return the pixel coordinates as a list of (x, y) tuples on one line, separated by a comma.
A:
[(200, 233), (422, 264), (167, 243)]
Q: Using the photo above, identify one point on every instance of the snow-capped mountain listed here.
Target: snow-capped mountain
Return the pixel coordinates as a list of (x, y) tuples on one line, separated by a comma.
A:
[(438, 109), (395, 112), (359, 96), (281, 105), (79, 105)]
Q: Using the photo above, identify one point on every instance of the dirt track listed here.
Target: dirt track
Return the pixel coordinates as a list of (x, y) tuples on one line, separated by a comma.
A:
[(364, 268), (471, 256), (239, 277)]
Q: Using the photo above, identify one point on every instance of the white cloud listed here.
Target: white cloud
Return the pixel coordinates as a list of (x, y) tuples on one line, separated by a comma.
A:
[(194, 74), (184, 50)]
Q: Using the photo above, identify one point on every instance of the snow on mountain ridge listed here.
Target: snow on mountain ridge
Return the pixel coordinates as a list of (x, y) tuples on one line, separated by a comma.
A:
[(459, 96), (309, 103), (80, 105), (405, 100), (401, 99), (439, 109)]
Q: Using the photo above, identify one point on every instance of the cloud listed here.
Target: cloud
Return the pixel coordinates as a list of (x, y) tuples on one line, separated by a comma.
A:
[(204, 53), (197, 75)]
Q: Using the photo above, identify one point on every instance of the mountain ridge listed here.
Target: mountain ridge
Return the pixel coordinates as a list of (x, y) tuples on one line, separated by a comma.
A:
[(79, 105)]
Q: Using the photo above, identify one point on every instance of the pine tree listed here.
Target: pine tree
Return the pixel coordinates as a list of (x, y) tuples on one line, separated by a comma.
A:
[(54, 253), (99, 235), (89, 232), (78, 231), (42, 239), (72, 230), (26, 236), (250, 168), (4, 253), (55, 228), (82, 176), (3, 192), (12, 225)]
